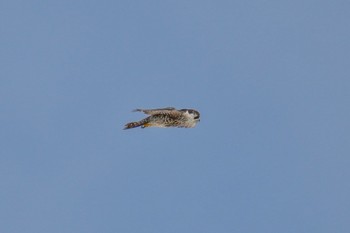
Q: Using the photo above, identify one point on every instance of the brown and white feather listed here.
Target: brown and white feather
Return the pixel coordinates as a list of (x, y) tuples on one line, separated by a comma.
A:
[(166, 117)]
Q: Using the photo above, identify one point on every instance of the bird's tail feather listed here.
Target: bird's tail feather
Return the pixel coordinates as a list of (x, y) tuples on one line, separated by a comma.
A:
[(143, 123), (132, 125)]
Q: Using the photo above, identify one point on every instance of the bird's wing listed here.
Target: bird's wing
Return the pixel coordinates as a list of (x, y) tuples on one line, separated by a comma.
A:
[(155, 111)]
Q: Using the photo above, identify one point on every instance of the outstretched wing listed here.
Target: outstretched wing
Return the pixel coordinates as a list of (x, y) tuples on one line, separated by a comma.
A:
[(156, 110)]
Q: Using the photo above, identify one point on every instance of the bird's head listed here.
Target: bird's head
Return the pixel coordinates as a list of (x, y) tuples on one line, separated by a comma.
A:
[(193, 113)]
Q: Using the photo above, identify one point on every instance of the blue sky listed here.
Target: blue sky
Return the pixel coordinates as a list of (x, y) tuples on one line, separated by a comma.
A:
[(270, 78)]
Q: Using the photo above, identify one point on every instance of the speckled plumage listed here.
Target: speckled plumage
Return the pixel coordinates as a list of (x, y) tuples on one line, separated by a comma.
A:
[(166, 117)]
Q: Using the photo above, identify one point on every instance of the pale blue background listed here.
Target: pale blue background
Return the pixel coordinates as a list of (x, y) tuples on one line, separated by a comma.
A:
[(270, 78)]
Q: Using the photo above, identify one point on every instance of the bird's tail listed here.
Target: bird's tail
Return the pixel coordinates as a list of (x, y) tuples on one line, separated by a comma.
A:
[(143, 123), (132, 125)]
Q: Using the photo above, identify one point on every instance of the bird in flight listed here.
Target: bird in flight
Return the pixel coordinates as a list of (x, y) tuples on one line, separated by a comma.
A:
[(166, 117)]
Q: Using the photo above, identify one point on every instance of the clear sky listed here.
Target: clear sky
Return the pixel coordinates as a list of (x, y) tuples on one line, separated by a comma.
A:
[(270, 78)]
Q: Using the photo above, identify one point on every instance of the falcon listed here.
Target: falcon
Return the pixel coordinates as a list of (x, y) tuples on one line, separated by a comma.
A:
[(166, 117)]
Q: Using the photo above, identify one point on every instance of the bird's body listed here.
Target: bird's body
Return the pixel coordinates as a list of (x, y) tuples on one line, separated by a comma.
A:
[(166, 117)]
